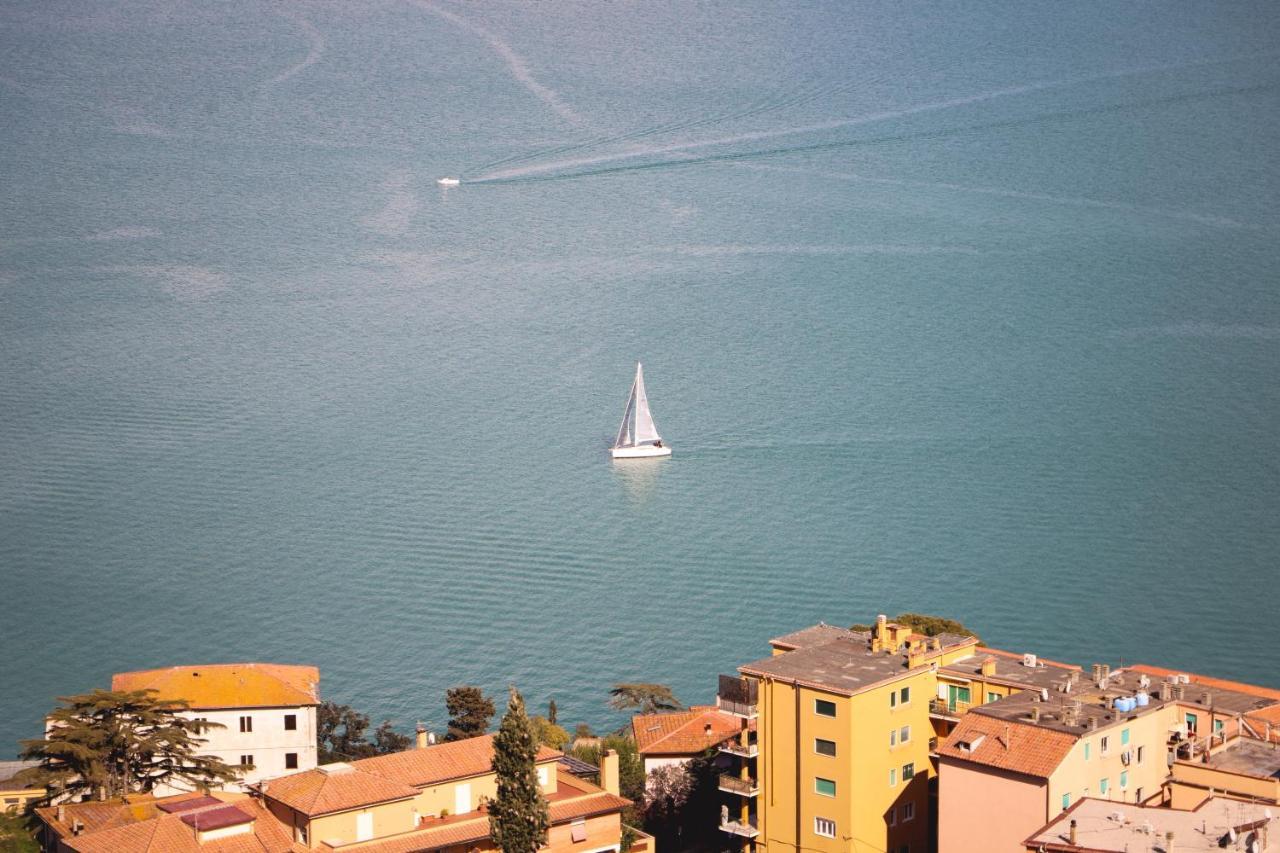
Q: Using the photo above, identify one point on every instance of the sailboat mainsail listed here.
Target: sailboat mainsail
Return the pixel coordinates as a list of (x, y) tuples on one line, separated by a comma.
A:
[(637, 421)]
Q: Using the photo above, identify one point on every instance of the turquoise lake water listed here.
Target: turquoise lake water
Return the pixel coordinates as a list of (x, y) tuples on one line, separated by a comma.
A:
[(962, 308)]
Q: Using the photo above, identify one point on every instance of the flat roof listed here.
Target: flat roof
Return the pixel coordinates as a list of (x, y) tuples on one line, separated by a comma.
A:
[(817, 635), (845, 665), (1247, 757), (1009, 669), (1104, 826)]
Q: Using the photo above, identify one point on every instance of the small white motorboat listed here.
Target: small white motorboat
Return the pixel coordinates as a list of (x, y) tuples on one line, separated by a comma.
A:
[(637, 437), (448, 182)]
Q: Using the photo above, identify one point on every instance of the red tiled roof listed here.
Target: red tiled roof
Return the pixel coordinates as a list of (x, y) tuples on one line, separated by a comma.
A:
[(1208, 681), (683, 732), (333, 788), (228, 685), (1031, 750), (441, 762), (170, 833)]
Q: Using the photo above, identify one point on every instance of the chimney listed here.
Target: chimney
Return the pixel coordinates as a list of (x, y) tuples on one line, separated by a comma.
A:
[(936, 643), (881, 622), (1072, 835), (1093, 724), (609, 772), (706, 730), (62, 813), (989, 665), (1035, 713), (423, 736)]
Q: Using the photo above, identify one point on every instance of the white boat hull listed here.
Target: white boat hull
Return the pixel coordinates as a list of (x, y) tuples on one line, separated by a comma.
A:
[(644, 451), (448, 182)]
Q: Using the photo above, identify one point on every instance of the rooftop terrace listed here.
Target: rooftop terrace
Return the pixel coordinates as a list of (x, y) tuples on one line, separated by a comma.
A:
[(1103, 826)]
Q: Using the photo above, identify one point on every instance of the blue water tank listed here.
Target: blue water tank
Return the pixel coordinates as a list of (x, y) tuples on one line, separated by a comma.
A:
[(1142, 699), (1119, 704)]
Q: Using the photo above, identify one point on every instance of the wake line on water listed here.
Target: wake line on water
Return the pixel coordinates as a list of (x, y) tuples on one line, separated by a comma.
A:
[(317, 44), (515, 62), (813, 128), (529, 176)]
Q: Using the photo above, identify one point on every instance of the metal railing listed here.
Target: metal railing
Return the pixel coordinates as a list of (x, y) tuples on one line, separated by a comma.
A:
[(738, 785), (947, 708), (732, 747)]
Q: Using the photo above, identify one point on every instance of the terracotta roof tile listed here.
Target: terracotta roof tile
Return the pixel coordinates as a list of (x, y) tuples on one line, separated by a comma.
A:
[(169, 834), (441, 762), (228, 685), (1031, 750), (683, 732), (333, 788)]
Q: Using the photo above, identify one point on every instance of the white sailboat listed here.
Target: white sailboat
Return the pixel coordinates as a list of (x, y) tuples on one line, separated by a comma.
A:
[(637, 437)]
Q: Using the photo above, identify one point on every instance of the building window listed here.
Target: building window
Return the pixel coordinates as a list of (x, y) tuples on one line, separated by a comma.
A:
[(904, 734), (823, 708), (1140, 751), (1103, 784), (202, 725), (1137, 796), (1192, 722), (1104, 745), (825, 787), (893, 737), (291, 761), (1218, 726), (1066, 802), (246, 724), (904, 696), (893, 776), (825, 828), (893, 816), (1124, 737), (290, 722), (893, 698), (824, 747), (1086, 750), (908, 811), (991, 697), (578, 830), (908, 771), (1124, 779), (246, 761)]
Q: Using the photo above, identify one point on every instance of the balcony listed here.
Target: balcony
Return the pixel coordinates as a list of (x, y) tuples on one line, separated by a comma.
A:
[(737, 696), (933, 746), (947, 710), (734, 827), (732, 747), (738, 785)]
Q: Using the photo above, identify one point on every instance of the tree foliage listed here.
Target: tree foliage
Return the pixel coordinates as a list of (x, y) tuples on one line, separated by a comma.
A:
[(552, 712), (469, 712), (109, 743), (666, 790), (928, 625), (549, 733), (519, 817), (646, 698), (340, 735)]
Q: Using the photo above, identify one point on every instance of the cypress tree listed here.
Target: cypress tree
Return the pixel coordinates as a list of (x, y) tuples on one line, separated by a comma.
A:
[(519, 817)]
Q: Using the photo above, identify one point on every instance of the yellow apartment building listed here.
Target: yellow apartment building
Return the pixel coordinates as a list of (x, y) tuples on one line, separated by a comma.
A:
[(842, 740)]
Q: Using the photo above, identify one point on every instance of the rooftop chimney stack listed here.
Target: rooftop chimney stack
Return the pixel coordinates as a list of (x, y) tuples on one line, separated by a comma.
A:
[(1073, 832), (989, 665), (609, 772), (422, 736)]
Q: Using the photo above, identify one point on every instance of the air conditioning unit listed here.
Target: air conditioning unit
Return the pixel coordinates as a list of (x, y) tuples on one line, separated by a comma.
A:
[(1183, 678), (1029, 660)]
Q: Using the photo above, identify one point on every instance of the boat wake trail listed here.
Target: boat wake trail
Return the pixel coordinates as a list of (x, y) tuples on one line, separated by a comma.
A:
[(611, 164), (515, 62), (316, 50)]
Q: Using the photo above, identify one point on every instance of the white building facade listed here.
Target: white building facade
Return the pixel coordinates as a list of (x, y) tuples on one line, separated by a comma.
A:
[(262, 716)]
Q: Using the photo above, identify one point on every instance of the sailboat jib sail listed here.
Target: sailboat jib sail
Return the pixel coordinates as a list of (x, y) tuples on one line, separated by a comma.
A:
[(638, 436)]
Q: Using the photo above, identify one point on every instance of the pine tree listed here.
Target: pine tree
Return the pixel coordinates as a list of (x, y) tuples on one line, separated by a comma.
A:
[(469, 712), (647, 698), (552, 712), (114, 742), (519, 817)]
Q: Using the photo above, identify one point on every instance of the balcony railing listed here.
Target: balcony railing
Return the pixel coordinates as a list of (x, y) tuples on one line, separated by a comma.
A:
[(944, 708), (738, 785), (734, 748), (734, 827), (737, 695)]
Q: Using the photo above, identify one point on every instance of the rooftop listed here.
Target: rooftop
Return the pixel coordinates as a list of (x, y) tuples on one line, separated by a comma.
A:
[(1103, 826), (1087, 703), (688, 732), (441, 762), (844, 664), (333, 788), (9, 769), (1017, 747), (1009, 669), (817, 635), (1247, 757), (228, 685)]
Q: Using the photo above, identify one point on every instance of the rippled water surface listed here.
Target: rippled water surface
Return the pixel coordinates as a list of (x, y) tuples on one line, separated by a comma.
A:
[(958, 308)]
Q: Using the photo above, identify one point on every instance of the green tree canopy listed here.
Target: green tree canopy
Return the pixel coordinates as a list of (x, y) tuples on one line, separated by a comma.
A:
[(646, 698), (930, 626), (109, 743), (469, 712), (340, 735), (519, 817), (549, 733)]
